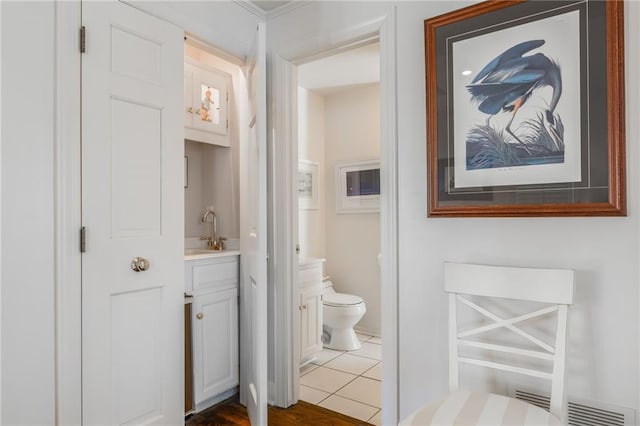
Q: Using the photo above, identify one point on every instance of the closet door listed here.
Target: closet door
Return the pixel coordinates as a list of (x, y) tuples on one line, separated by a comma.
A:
[(132, 270), (253, 230)]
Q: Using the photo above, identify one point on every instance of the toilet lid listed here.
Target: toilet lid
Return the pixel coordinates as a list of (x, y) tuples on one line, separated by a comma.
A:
[(340, 299)]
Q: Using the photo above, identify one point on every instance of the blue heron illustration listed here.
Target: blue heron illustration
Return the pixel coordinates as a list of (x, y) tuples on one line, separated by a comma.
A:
[(509, 80)]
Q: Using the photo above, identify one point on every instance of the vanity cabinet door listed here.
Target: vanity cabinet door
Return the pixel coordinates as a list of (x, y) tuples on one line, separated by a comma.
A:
[(310, 321), (215, 344)]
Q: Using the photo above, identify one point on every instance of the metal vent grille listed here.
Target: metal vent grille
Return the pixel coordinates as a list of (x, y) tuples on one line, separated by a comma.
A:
[(584, 414)]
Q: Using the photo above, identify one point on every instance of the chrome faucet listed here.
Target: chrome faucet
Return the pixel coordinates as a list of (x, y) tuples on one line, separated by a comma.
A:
[(214, 242)]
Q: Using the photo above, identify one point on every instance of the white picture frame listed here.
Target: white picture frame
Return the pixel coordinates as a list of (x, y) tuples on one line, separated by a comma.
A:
[(308, 185), (358, 187)]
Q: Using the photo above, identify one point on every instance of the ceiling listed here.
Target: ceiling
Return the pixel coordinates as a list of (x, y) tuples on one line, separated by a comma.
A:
[(347, 69), (268, 5)]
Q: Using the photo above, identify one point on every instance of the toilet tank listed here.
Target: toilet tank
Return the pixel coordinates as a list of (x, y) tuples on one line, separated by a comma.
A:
[(327, 286)]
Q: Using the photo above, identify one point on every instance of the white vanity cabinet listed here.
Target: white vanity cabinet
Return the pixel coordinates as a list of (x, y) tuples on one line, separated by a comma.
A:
[(216, 369), (310, 307), (206, 103)]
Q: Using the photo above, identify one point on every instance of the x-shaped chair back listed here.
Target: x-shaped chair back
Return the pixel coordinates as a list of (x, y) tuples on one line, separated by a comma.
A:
[(554, 287)]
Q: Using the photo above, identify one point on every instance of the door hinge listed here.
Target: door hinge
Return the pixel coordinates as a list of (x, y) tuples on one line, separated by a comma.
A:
[(83, 240), (227, 124), (297, 248), (83, 39)]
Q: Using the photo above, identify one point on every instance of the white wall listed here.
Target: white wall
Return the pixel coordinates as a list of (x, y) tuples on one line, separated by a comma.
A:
[(603, 346), (311, 142), (210, 176), (28, 101), (352, 120)]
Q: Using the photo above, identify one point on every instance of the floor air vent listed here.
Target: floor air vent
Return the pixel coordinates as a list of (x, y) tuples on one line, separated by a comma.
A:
[(583, 413)]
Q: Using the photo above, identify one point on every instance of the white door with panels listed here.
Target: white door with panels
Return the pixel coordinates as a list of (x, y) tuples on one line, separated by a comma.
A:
[(132, 269), (254, 233)]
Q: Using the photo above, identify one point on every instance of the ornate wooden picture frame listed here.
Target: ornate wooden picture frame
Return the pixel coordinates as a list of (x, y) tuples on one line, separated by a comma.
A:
[(525, 109)]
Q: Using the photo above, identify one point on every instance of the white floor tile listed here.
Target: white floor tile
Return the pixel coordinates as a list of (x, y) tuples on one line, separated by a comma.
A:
[(349, 408), (326, 355), (369, 350), (377, 419), (374, 373), (362, 390), (326, 379), (351, 363), (311, 395), (307, 369), (376, 340)]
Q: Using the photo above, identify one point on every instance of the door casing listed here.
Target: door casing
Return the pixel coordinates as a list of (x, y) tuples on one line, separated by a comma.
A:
[(284, 204)]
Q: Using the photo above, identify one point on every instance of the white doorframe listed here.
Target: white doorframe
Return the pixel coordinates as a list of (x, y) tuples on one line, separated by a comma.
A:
[(284, 208), (67, 220)]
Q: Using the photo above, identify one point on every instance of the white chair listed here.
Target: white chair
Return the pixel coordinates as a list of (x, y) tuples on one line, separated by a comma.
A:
[(552, 287)]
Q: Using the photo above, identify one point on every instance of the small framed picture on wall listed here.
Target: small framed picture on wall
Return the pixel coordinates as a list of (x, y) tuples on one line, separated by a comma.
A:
[(358, 187), (308, 185)]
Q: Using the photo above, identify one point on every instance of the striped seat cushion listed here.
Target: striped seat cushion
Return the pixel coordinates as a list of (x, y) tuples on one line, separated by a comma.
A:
[(469, 408)]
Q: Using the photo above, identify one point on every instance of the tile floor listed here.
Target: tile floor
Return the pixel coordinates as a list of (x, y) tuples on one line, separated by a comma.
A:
[(346, 381)]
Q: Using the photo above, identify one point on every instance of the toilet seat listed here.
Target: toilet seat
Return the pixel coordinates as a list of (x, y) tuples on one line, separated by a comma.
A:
[(340, 300)]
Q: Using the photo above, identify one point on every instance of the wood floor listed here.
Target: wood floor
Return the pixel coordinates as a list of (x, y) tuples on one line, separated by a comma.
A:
[(230, 412)]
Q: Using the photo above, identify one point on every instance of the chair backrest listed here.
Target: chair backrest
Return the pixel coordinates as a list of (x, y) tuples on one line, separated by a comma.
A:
[(549, 286)]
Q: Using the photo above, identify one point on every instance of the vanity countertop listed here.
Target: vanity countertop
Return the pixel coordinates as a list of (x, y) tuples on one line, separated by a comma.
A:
[(195, 254), (309, 261)]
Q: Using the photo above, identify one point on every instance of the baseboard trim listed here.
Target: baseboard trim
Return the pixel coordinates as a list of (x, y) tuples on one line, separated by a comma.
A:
[(367, 332)]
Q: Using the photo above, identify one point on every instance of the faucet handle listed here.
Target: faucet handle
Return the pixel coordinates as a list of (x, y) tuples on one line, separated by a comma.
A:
[(218, 244), (203, 238)]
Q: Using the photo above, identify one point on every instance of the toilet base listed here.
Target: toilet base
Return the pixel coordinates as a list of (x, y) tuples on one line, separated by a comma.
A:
[(342, 340)]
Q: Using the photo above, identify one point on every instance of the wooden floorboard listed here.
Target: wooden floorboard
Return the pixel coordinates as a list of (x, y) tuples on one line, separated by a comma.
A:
[(230, 412)]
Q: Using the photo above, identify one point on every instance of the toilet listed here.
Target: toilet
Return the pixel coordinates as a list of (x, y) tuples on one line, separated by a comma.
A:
[(340, 313)]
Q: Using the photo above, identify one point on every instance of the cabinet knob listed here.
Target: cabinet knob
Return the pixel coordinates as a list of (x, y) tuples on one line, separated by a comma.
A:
[(302, 307), (200, 315), (190, 109)]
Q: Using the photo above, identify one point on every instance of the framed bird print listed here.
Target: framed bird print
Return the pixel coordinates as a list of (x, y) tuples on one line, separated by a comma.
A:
[(525, 109)]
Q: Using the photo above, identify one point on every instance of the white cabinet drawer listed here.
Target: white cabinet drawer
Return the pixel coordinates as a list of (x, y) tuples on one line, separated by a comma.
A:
[(205, 275)]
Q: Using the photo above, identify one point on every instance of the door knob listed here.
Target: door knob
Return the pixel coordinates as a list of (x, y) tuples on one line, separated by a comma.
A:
[(200, 315), (140, 264)]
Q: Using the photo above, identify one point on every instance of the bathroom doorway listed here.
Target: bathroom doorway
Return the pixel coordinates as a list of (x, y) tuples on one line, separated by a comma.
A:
[(338, 189)]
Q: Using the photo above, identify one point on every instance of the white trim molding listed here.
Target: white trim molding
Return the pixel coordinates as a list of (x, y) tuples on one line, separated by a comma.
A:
[(0, 214), (67, 216), (389, 218), (273, 13), (283, 230), (284, 207)]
